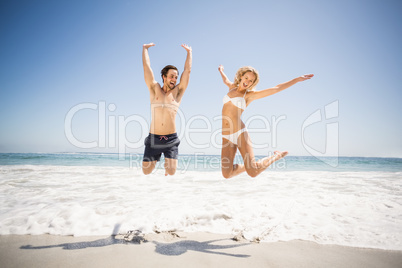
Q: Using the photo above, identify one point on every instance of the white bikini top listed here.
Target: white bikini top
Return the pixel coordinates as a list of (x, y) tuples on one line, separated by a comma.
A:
[(239, 102)]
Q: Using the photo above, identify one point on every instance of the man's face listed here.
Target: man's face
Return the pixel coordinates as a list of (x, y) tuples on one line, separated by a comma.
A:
[(171, 78)]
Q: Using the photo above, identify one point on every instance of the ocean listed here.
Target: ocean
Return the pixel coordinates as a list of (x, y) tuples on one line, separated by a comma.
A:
[(351, 201)]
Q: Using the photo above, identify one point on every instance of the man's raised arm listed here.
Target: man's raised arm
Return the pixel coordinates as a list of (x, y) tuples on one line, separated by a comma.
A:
[(185, 76), (146, 63)]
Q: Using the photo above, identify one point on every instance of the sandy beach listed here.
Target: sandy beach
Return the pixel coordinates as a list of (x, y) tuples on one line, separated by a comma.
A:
[(182, 250)]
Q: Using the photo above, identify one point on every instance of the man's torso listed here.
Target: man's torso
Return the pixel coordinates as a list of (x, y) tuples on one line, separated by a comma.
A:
[(164, 108)]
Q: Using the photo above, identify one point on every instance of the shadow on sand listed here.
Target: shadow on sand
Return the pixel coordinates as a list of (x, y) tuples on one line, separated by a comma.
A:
[(168, 249), (81, 245), (181, 247)]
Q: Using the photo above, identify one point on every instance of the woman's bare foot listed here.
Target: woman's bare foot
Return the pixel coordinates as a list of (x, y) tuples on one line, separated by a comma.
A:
[(279, 155), (269, 160)]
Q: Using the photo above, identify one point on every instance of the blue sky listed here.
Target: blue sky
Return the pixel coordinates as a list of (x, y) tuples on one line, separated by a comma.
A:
[(57, 55)]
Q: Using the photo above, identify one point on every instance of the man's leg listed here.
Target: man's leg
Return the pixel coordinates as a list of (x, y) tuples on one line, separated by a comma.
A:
[(148, 166), (170, 166)]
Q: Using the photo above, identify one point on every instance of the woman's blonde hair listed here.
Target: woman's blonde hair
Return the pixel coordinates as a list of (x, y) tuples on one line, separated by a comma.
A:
[(244, 70)]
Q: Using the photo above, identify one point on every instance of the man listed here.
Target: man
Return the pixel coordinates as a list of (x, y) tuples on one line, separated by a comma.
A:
[(165, 102)]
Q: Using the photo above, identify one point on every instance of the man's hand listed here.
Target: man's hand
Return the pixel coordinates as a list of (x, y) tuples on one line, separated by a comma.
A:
[(146, 46), (186, 47)]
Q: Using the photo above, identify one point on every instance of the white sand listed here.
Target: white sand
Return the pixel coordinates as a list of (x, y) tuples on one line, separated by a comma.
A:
[(188, 250)]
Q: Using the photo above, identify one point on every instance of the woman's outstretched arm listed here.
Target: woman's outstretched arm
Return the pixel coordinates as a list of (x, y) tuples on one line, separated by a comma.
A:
[(270, 91)]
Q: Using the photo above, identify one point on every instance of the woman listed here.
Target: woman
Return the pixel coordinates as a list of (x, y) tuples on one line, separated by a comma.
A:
[(234, 133)]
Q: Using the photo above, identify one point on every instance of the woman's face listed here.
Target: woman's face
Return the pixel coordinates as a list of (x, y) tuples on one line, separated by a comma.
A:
[(247, 80)]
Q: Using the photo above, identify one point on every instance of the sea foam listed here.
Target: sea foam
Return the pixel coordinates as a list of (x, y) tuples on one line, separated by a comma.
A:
[(361, 209)]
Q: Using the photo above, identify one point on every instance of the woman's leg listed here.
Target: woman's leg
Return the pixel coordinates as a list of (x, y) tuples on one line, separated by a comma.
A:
[(253, 167), (228, 154)]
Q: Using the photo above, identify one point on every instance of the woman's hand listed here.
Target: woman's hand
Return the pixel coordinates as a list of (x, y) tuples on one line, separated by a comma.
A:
[(305, 77), (220, 68)]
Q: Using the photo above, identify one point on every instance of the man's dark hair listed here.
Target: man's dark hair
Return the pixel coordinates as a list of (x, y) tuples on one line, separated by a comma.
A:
[(166, 70)]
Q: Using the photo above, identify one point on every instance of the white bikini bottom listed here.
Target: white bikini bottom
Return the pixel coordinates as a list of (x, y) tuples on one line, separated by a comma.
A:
[(234, 136)]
